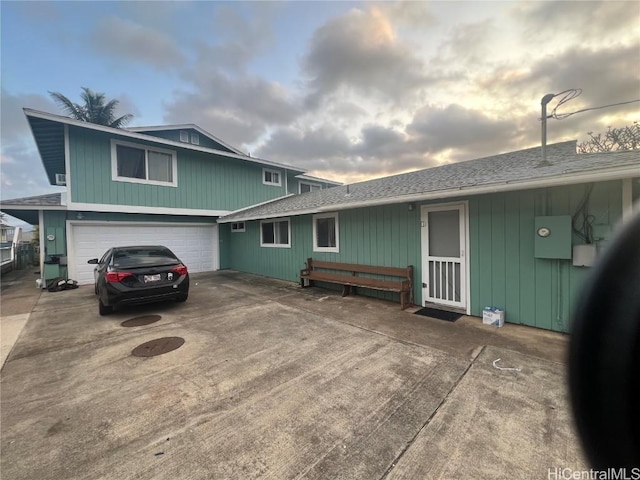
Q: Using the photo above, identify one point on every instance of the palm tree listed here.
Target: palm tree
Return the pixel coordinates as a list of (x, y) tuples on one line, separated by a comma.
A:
[(94, 109)]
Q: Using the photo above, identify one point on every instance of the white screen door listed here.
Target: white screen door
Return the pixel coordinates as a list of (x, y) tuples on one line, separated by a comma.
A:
[(444, 268)]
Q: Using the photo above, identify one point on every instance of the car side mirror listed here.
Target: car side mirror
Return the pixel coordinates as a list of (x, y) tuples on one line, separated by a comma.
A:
[(93, 261)]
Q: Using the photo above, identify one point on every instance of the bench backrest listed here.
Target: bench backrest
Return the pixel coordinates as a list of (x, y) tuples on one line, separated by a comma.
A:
[(405, 272)]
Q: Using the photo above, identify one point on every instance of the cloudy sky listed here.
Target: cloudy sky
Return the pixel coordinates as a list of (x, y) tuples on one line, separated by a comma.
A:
[(348, 90)]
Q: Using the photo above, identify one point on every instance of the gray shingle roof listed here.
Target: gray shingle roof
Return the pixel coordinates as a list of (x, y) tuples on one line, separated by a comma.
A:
[(49, 200), (508, 171)]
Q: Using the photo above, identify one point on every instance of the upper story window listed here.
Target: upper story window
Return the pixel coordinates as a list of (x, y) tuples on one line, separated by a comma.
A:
[(275, 233), (184, 136), (326, 233), (143, 164), (195, 139), (305, 187), (271, 177), (237, 227)]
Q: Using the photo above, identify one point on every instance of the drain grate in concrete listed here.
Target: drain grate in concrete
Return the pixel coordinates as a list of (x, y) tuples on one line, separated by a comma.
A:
[(140, 321), (157, 347)]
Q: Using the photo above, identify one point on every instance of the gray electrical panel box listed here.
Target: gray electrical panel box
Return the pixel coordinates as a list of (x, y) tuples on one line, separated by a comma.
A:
[(553, 237), (584, 255)]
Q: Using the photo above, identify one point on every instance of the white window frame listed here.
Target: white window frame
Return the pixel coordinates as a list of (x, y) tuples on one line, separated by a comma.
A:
[(195, 139), (300, 183), (316, 248), (276, 245), (235, 227), (146, 148), (184, 136), (274, 184)]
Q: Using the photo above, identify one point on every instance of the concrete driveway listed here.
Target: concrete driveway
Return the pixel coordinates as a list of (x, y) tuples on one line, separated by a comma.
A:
[(278, 382)]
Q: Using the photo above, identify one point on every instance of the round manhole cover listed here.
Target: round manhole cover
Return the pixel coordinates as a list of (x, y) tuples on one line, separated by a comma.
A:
[(157, 347), (140, 321)]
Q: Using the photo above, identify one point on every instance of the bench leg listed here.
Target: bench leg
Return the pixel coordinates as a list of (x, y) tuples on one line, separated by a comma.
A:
[(403, 297), (346, 290)]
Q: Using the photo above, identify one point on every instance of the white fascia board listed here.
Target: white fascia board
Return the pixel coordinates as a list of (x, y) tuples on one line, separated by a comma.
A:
[(150, 138), (96, 207), (254, 206), (556, 181), (281, 214)]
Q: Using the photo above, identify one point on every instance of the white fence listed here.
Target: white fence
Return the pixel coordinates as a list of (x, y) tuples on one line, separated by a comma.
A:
[(14, 254), (6, 255)]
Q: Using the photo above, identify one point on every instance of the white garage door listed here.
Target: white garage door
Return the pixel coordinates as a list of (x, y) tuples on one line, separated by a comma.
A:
[(195, 245)]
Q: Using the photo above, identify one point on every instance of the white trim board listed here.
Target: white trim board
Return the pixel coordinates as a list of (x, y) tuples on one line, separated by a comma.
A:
[(144, 181), (465, 249), (98, 207)]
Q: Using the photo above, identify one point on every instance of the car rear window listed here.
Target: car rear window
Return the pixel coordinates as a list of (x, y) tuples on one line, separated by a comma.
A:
[(143, 256)]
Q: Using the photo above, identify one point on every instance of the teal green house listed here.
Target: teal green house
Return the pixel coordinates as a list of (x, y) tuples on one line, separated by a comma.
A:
[(146, 185), (511, 231)]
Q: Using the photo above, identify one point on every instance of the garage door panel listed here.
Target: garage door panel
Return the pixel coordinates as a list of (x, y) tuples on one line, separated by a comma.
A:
[(194, 245)]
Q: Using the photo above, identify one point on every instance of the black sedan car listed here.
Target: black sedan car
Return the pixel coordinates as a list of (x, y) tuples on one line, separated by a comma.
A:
[(135, 275)]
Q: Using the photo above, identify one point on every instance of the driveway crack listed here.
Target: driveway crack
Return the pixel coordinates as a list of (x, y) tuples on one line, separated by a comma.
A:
[(433, 414)]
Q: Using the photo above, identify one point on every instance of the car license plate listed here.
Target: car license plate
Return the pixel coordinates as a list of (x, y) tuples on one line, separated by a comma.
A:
[(151, 278)]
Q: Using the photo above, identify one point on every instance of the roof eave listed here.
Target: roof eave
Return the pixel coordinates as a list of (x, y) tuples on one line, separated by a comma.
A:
[(150, 138), (4, 207), (508, 186)]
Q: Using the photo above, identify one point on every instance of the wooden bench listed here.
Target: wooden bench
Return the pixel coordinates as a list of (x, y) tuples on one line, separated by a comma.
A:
[(346, 274)]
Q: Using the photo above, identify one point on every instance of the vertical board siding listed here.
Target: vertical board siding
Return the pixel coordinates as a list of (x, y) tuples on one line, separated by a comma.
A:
[(484, 239), (527, 263), (54, 224), (205, 181), (504, 272), (225, 238), (511, 232), (386, 236)]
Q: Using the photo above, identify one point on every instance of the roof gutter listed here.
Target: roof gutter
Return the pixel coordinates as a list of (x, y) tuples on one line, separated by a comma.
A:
[(594, 176)]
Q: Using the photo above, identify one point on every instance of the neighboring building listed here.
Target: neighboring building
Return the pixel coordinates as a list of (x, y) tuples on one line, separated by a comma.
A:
[(144, 185), (497, 231), (6, 233)]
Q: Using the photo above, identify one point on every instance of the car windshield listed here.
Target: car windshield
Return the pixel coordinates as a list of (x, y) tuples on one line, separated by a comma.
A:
[(143, 256)]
